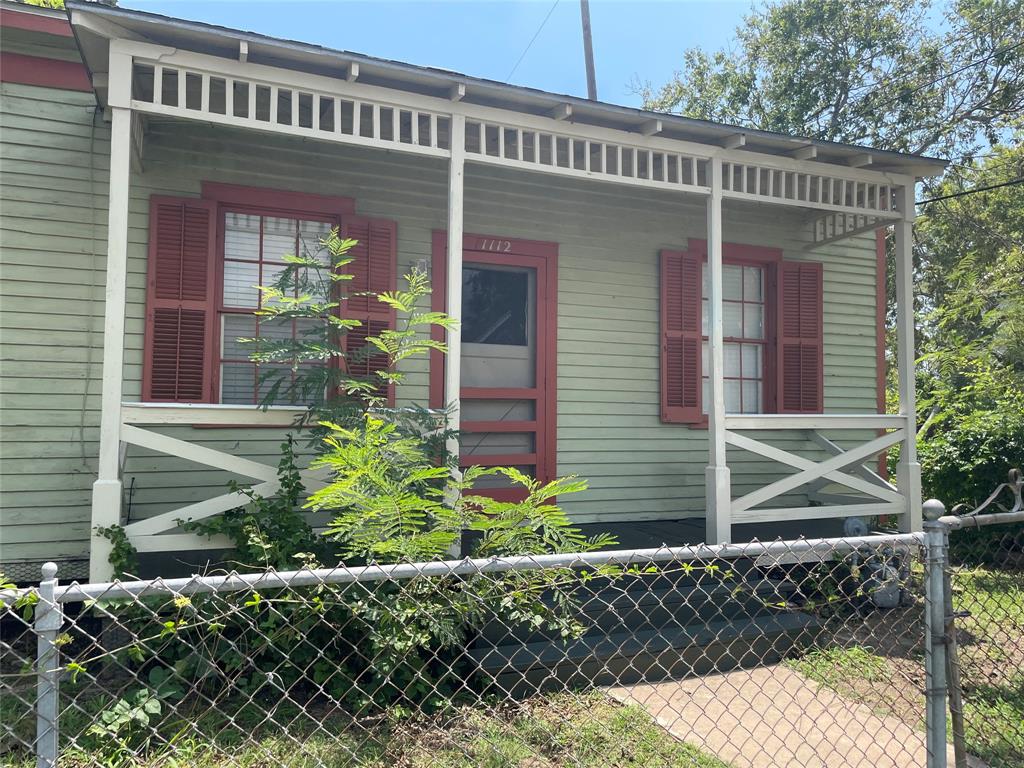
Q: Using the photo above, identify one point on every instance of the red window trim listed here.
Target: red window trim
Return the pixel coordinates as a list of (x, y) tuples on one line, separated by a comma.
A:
[(258, 201), (751, 255), (43, 72), (219, 308), (496, 247), (737, 253), (35, 22)]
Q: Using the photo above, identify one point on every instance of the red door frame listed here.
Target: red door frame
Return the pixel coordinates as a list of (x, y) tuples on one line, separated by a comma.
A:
[(542, 256)]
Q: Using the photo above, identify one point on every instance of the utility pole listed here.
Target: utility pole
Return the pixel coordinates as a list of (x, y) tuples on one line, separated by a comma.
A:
[(588, 50)]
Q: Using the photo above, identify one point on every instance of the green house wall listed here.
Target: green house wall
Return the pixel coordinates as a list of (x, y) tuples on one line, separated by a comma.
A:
[(54, 161)]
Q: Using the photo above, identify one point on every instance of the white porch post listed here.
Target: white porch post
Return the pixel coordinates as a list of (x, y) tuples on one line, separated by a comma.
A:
[(106, 491), (716, 477), (453, 367), (908, 471)]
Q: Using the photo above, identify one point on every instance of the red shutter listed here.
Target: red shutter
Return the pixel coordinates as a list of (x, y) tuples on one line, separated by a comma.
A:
[(800, 361), (180, 294), (373, 269), (680, 337)]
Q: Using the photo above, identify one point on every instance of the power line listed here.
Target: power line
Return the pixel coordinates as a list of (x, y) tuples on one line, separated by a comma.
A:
[(965, 192), (532, 40), (956, 71), (948, 43), (993, 169)]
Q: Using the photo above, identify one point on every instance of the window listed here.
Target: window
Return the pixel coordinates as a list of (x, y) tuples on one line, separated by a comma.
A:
[(743, 319), (206, 258), (254, 247), (494, 306), (772, 333)]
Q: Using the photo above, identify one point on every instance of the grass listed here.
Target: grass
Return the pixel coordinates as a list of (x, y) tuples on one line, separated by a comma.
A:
[(888, 677), (585, 730)]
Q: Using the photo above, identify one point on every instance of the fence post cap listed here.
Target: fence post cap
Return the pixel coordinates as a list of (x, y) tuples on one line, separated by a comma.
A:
[(49, 571), (933, 509)]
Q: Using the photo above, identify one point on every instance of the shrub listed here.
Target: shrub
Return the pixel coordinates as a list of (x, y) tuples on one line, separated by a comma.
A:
[(973, 436), (393, 497)]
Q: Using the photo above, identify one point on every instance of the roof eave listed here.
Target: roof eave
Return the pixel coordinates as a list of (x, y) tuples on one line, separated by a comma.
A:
[(300, 56)]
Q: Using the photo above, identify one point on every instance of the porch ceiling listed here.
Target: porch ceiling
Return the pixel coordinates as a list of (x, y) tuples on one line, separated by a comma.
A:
[(95, 24)]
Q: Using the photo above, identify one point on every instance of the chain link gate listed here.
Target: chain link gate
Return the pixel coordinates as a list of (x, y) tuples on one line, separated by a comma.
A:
[(827, 652)]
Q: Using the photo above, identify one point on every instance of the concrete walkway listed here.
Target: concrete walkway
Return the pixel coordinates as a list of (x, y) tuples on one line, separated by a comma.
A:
[(774, 717)]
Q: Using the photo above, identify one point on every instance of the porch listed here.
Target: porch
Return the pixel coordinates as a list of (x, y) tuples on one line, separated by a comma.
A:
[(650, 534), (454, 151)]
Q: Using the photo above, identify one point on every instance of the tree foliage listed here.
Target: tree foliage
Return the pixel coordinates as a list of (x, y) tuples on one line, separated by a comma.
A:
[(972, 280), (872, 72)]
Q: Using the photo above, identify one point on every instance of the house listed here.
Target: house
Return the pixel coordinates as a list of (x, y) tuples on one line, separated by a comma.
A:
[(688, 314)]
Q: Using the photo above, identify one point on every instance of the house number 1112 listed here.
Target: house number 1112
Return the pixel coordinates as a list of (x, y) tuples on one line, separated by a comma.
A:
[(496, 246)]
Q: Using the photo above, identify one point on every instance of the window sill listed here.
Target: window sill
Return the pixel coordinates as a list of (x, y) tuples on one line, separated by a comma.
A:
[(207, 415)]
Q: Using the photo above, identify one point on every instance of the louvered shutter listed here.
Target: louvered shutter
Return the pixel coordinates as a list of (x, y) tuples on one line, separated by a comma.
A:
[(180, 301), (800, 352), (374, 270), (680, 337)]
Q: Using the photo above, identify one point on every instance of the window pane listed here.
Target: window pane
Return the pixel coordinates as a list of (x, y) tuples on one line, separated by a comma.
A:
[(732, 396), (310, 235), (753, 284), (237, 382), (753, 321), (751, 397), (278, 238), (705, 358), (272, 275), (495, 443), (310, 331), (498, 410), (705, 394), (494, 306), (269, 375), (240, 280), (732, 316), (732, 282), (732, 360), (234, 327), (276, 329), (704, 317), (241, 236), (752, 361)]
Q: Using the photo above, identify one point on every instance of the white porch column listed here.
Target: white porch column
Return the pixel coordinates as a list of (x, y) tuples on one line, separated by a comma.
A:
[(908, 471), (716, 477), (106, 491), (453, 367)]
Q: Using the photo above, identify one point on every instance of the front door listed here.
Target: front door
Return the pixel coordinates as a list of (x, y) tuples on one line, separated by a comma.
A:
[(507, 377)]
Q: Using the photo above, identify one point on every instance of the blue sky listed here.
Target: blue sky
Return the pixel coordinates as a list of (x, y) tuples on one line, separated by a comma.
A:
[(639, 39)]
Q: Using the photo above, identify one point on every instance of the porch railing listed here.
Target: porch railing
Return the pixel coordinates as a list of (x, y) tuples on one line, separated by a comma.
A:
[(842, 466), (151, 534)]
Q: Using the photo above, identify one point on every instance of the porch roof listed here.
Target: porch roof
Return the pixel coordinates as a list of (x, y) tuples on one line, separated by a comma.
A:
[(95, 24)]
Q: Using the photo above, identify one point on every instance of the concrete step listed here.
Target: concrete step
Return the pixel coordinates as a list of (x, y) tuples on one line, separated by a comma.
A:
[(621, 658)]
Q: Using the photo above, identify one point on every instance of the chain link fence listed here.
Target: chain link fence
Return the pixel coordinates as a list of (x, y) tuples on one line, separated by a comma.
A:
[(802, 653)]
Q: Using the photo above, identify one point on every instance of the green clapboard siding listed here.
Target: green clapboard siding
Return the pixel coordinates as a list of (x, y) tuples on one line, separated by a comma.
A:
[(608, 236), (53, 162)]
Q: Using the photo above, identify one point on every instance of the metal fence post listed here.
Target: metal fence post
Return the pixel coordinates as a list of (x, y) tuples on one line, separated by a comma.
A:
[(956, 702), (936, 562), (48, 620)]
